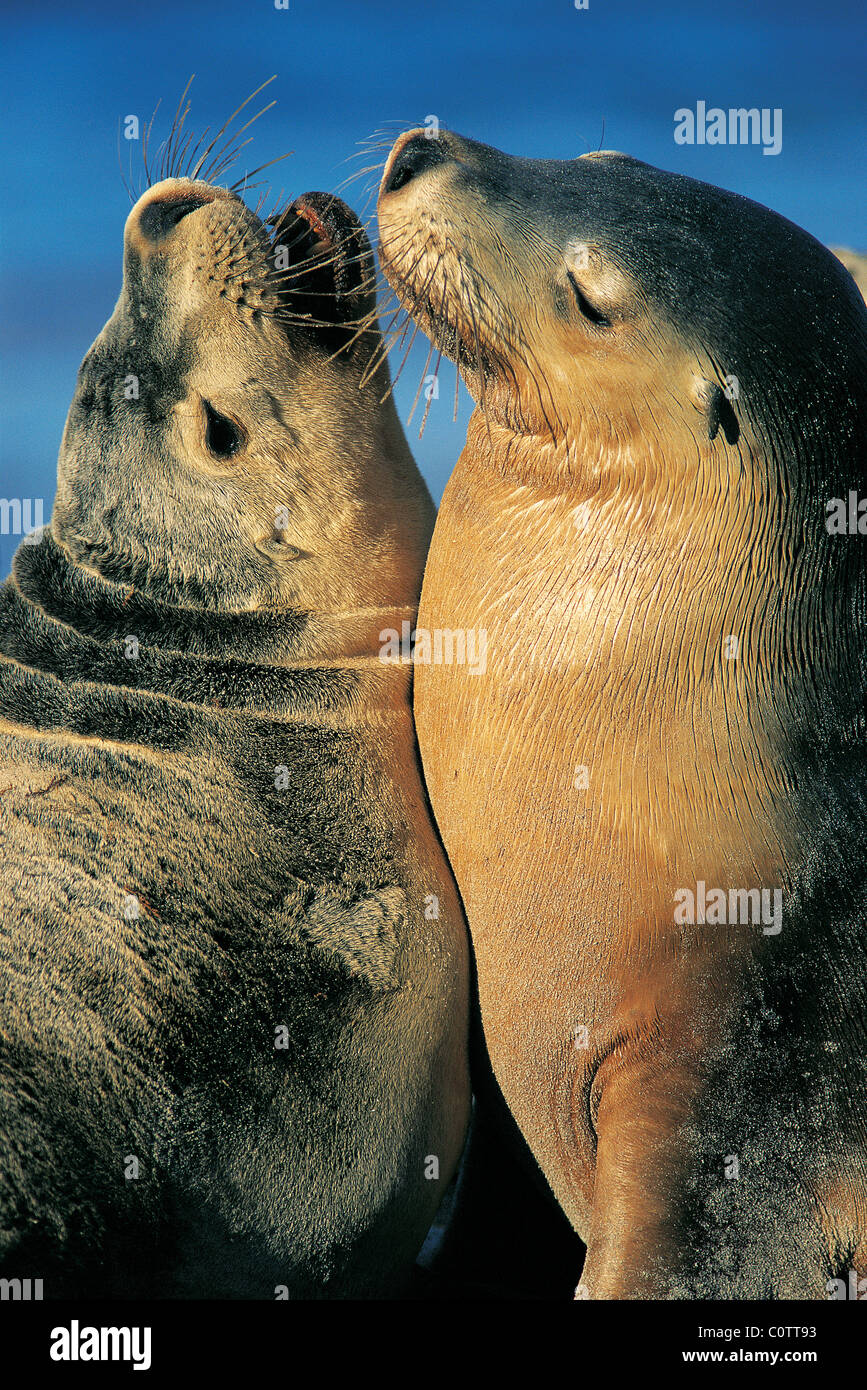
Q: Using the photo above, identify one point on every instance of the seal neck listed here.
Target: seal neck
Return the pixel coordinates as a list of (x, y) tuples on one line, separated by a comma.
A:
[(62, 623), (82, 598), (702, 572)]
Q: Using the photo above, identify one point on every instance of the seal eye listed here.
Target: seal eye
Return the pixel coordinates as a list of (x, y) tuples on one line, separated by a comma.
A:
[(588, 310), (222, 436)]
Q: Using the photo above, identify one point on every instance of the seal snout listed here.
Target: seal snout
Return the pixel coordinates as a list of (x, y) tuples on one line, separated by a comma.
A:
[(413, 154), (159, 211), (159, 219)]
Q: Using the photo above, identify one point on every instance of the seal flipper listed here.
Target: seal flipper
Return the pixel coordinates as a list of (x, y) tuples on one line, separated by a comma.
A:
[(506, 1237)]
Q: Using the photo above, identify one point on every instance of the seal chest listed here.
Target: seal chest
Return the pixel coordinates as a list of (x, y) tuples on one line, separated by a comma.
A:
[(644, 793)]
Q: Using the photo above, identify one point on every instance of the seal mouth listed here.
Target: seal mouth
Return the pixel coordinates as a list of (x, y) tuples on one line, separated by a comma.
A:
[(333, 230), (323, 265)]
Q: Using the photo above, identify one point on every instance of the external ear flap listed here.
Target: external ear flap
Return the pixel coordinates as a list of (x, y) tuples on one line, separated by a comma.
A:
[(324, 265), (712, 400)]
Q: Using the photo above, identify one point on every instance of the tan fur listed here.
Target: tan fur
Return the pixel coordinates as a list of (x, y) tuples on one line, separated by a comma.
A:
[(609, 545)]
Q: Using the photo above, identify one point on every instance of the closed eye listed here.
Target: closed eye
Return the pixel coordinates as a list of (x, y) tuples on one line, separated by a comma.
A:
[(222, 436), (588, 310)]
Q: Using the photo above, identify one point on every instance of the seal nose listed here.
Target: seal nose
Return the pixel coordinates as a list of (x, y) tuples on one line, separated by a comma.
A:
[(412, 155), (158, 219), (158, 212)]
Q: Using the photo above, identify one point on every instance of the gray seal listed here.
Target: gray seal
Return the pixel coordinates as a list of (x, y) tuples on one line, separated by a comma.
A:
[(235, 973)]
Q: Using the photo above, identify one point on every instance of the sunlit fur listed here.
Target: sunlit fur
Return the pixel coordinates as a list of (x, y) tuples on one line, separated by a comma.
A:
[(610, 534)]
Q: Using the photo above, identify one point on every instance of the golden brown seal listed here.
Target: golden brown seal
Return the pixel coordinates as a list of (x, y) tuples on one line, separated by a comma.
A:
[(654, 795)]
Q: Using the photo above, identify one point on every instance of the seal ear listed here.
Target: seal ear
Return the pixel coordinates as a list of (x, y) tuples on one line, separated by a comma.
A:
[(712, 400), (325, 267)]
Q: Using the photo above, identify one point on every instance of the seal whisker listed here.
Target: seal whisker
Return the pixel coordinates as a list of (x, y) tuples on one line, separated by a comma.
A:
[(185, 172), (367, 169), (418, 258), (120, 164), (145, 140), (181, 154), (310, 321), (399, 372), (395, 340), (360, 174), (394, 336), (393, 314), (382, 352), (365, 325), (509, 336), (380, 139), (552, 431), (214, 170), (435, 375), (226, 124), (229, 246), (176, 127), (457, 377), (391, 338), (230, 155), (475, 302), (323, 262), (175, 136), (231, 149), (481, 374), (422, 376), (278, 209)]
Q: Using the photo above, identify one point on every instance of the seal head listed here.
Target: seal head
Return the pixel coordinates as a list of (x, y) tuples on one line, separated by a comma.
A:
[(595, 305), (200, 456)]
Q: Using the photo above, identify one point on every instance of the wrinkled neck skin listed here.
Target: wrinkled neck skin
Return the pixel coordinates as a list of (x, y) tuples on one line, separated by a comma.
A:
[(660, 545), (89, 612)]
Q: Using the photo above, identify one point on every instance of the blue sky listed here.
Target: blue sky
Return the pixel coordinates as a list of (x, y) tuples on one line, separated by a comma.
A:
[(540, 79)]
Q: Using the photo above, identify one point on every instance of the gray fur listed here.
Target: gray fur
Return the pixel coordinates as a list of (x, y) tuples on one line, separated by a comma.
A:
[(153, 779), (215, 837)]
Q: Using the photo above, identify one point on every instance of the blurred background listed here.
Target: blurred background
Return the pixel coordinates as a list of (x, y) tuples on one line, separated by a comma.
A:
[(544, 79)]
